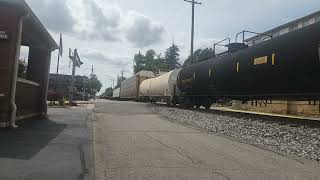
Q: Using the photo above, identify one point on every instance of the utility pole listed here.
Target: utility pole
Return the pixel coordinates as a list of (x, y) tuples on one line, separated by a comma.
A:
[(84, 88), (133, 66), (193, 2), (92, 71), (122, 72), (112, 83)]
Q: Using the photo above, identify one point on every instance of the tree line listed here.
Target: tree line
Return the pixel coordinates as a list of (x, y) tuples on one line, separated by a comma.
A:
[(151, 61), (199, 56)]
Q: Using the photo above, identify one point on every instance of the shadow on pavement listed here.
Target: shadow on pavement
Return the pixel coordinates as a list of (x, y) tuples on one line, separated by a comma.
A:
[(26, 141)]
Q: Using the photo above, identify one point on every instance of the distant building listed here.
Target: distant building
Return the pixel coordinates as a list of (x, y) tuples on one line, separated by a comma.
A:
[(288, 27), (62, 85)]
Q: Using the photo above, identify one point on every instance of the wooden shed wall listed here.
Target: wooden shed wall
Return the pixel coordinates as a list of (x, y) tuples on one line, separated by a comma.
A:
[(28, 99), (8, 23)]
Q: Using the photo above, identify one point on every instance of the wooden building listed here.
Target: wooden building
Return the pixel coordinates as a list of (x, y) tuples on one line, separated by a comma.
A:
[(23, 98)]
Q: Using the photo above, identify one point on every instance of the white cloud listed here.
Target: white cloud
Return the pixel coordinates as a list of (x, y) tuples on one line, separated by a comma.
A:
[(142, 31), (59, 21), (94, 22), (89, 20), (102, 59)]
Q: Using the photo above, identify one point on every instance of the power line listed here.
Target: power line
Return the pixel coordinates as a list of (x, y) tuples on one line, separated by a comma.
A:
[(193, 3)]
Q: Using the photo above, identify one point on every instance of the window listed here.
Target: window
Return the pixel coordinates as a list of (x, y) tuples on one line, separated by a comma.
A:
[(318, 18), (306, 23), (23, 62), (293, 27), (276, 34)]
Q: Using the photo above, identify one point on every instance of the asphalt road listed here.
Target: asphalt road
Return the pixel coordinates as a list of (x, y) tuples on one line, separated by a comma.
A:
[(57, 148), (132, 143)]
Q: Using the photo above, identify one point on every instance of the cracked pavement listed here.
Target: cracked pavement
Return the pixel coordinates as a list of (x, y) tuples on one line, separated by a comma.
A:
[(132, 143)]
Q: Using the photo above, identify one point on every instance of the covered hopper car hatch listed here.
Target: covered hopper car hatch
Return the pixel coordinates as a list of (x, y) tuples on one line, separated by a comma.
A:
[(23, 97), (282, 68)]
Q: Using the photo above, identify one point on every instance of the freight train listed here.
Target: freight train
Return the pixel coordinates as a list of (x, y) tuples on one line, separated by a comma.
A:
[(283, 68), (129, 88)]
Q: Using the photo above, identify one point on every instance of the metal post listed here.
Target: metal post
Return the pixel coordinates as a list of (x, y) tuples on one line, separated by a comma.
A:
[(76, 62), (71, 98), (192, 30), (55, 88), (84, 89), (193, 2)]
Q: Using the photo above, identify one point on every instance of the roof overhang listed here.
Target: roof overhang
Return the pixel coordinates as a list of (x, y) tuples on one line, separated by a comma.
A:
[(34, 34)]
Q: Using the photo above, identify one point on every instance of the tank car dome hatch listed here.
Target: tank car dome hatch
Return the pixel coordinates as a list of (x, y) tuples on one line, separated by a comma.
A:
[(234, 47)]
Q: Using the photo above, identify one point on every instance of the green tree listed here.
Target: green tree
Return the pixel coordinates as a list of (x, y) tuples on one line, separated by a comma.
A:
[(160, 63), (108, 92), (95, 83), (199, 56), (205, 54), (171, 57), (150, 60), (145, 62), (139, 61)]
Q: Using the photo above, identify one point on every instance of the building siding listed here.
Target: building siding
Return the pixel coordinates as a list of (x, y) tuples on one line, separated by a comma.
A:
[(28, 99), (8, 23)]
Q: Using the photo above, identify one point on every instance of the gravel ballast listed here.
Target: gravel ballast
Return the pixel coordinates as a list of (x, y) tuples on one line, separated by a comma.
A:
[(302, 141)]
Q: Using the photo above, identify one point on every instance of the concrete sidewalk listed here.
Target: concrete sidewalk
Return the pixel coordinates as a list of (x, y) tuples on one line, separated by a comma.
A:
[(59, 147)]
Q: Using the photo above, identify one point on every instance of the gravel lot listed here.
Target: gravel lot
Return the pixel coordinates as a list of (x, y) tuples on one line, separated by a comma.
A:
[(302, 141)]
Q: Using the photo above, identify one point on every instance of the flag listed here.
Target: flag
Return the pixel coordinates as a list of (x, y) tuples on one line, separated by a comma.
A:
[(60, 46)]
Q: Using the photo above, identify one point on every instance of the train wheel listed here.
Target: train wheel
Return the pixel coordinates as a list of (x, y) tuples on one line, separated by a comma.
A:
[(208, 106), (187, 103), (206, 103)]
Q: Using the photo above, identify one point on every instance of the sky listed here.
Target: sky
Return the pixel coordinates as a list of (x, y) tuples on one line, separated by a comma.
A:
[(107, 33)]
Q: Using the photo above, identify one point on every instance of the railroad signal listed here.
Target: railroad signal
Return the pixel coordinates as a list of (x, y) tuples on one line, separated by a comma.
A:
[(76, 62)]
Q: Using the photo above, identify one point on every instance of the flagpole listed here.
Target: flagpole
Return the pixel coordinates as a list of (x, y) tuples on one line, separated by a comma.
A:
[(59, 54), (57, 71)]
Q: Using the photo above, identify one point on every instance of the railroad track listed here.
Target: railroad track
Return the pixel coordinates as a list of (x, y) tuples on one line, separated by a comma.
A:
[(272, 118)]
